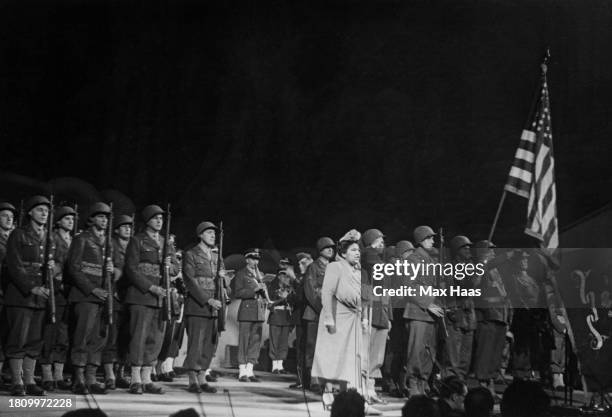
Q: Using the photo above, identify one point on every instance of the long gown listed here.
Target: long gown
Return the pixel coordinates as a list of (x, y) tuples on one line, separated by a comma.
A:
[(337, 356)]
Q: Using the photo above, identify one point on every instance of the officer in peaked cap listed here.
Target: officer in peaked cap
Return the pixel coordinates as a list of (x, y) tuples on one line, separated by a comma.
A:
[(251, 290), (145, 295), (313, 283), (7, 221), (55, 335), (26, 296), (88, 296)]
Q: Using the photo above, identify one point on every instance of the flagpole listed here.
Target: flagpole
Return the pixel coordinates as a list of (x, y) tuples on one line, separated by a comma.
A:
[(499, 207)]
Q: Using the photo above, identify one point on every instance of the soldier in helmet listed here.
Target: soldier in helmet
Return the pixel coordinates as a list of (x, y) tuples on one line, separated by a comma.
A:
[(398, 334), (56, 341), (251, 291), (373, 241), (202, 306), (492, 313), (87, 295), (7, 218), (26, 296), (114, 355), (420, 315), (145, 295), (313, 282), (461, 317)]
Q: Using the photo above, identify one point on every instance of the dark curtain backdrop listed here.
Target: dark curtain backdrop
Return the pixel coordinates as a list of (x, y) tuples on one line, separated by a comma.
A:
[(295, 120)]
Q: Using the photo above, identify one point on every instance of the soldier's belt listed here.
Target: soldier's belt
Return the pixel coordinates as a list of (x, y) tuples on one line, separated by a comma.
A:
[(149, 269), (32, 264), (91, 269)]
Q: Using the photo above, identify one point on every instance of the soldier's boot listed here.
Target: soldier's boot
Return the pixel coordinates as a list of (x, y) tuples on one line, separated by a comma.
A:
[(121, 382), (109, 376), (47, 377), (242, 373), (203, 384), (92, 383), (281, 370), (193, 382), (558, 384), (17, 388), (136, 385), (58, 376), (250, 373), (209, 376), (29, 364), (147, 384), (79, 387), (300, 378), (413, 386)]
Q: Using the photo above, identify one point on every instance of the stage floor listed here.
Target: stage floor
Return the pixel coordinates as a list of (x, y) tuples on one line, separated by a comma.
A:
[(269, 398)]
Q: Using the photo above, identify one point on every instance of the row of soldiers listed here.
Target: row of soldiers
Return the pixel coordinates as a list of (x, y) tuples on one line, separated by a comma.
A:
[(409, 336)]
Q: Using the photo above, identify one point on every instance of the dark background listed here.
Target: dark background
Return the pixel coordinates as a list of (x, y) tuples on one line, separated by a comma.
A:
[(292, 120)]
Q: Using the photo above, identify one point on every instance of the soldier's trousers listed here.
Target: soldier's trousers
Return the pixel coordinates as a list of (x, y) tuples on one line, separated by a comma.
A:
[(25, 332), (279, 342), (200, 346), (118, 338), (249, 341), (557, 355), (378, 343), (312, 327), (490, 338), (421, 348), (397, 345), (300, 346), (55, 336), (147, 329), (89, 335), (457, 352)]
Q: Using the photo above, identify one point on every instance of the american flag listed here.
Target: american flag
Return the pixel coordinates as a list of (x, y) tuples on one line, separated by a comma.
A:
[(532, 174)]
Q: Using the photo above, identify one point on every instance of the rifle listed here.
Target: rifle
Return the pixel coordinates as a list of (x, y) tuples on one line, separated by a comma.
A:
[(220, 284), (442, 300), (166, 268), (75, 226), (107, 276), (47, 270), (20, 218)]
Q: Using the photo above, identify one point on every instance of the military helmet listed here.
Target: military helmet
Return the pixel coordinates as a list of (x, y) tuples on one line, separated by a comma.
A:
[(423, 232), (402, 247), (37, 200), (205, 226), (370, 235), (8, 206), (460, 241), (121, 220), (325, 242), (150, 211), (63, 211), (99, 208)]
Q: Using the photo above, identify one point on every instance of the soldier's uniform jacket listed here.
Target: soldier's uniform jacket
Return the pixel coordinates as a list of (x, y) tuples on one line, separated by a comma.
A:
[(460, 310), (416, 307), (493, 303), (313, 282), (280, 309), (3, 271), (297, 301), (199, 271), (121, 284), (25, 252), (143, 268), (381, 309), (60, 257), (252, 305), (86, 265)]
